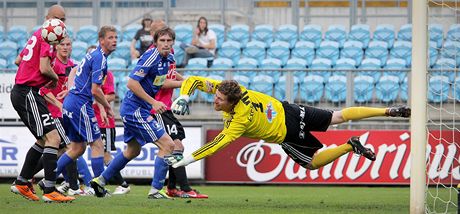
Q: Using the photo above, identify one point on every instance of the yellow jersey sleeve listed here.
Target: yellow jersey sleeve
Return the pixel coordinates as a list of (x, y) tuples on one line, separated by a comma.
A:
[(201, 83)]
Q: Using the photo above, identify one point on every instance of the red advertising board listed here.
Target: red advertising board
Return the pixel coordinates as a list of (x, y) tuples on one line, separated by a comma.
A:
[(252, 161)]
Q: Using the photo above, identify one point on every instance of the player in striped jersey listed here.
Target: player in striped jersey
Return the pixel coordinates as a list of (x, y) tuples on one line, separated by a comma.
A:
[(256, 115)]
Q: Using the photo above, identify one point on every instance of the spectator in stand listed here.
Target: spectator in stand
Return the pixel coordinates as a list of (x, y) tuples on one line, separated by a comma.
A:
[(203, 43), (142, 35)]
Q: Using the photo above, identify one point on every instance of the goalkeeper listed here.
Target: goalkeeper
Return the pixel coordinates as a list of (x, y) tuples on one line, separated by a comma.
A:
[(256, 115)]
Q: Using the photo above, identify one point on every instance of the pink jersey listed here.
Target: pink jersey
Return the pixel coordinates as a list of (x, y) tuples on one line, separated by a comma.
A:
[(62, 70), (108, 87), (165, 94), (29, 69)]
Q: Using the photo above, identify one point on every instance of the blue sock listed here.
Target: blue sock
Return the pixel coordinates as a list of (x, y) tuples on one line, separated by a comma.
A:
[(159, 175), (116, 165), (66, 177), (83, 170), (63, 161), (98, 165)]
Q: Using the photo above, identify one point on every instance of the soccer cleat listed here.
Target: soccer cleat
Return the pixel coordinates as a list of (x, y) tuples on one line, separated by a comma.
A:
[(360, 149), (120, 190), (88, 191), (24, 191), (193, 194), (159, 195), (72, 192), (174, 192), (57, 197), (63, 188), (398, 111), (99, 189)]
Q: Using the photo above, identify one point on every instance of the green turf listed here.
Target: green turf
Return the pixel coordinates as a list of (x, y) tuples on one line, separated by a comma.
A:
[(232, 199)]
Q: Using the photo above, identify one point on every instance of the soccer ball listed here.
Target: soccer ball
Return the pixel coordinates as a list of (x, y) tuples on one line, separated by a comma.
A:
[(53, 31)]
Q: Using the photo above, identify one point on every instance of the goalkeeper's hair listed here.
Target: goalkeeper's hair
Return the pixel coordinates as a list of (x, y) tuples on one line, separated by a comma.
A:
[(232, 90)]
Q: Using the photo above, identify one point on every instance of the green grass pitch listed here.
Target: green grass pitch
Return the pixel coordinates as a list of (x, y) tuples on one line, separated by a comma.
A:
[(233, 199)]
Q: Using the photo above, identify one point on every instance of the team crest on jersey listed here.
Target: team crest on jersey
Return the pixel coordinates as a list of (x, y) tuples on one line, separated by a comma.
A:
[(140, 73), (270, 112), (149, 119), (159, 80)]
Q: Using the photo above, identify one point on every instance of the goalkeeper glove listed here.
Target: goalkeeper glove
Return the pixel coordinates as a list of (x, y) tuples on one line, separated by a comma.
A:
[(172, 159), (180, 105)]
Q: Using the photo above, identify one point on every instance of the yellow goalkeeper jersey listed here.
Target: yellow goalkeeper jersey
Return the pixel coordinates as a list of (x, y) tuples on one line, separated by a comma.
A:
[(256, 115)]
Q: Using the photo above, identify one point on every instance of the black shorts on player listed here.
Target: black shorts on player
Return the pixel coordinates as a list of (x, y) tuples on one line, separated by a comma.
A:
[(64, 139), (108, 138), (172, 125)]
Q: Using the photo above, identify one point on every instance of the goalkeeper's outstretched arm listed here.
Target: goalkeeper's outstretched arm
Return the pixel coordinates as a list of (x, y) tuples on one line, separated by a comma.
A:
[(201, 83)]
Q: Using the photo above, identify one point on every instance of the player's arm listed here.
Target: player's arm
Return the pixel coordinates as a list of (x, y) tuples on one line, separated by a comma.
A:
[(170, 83), (47, 70), (133, 50), (49, 97), (18, 60), (69, 84), (137, 89), (201, 83), (234, 130)]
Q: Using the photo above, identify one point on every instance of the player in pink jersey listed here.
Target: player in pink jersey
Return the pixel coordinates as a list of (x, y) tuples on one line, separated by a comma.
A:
[(34, 72), (174, 128), (108, 133)]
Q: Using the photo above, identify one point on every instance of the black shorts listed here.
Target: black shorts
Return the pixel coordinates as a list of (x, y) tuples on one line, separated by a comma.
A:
[(32, 110), (171, 124), (64, 139), (108, 138), (299, 143)]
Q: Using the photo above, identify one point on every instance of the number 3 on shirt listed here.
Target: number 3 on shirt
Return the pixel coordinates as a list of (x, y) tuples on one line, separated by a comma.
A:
[(29, 47)]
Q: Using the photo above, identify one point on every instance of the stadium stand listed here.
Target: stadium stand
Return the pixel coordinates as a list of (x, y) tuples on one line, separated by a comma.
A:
[(287, 33), (336, 33), (321, 67), (311, 89), (360, 33), (269, 64), (385, 33), (354, 50), (2, 33), (255, 50), (328, 50), (304, 50), (280, 88), (297, 63), (444, 67), (263, 33), (123, 51), (130, 31), (344, 65), (363, 88), (312, 33), (219, 29), (184, 33), (247, 63), (453, 34), (395, 67), (336, 89), (436, 34), (87, 34), (231, 50), (402, 50), (18, 34), (438, 89), (377, 50), (262, 83), (240, 33), (387, 89), (221, 63), (279, 50), (405, 32), (372, 68), (79, 50)]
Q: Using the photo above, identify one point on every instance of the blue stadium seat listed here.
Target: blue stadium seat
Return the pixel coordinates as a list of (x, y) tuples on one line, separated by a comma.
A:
[(433, 53), (336, 89), (336, 33), (438, 89), (377, 50), (121, 80), (221, 63), (280, 88), (133, 64), (178, 53), (116, 64), (263, 33), (444, 67), (79, 50), (312, 33), (123, 50), (373, 68), (119, 33), (279, 50), (387, 89), (196, 63), (256, 50), (287, 33), (184, 33), (8, 50), (321, 67), (456, 89), (402, 50), (3, 64), (262, 83), (2, 33), (271, 63), (231, 50), (304, 50), (312, 89), (405, 33), (130, 31), (360, 33), (240, 33), (385, 33), (344, 65), (354, 50), (18, 34), (246, 64), (453, 34), (35, 28), (404, 90), (242, 80), (394, 68), (219, 29), (71, 33), (436, 34), (328, 50), (451, 49), (297, 63), (88, 34), (363, 88)]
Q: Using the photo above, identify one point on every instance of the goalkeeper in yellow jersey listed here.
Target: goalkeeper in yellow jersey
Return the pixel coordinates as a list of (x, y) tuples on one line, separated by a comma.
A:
[(256, 115)]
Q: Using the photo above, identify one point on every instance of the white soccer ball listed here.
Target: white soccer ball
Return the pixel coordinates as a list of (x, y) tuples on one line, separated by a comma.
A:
[(53, 31)]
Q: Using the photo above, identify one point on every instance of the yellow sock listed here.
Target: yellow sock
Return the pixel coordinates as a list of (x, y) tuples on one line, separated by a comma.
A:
[(329, 155), (357, 113)]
